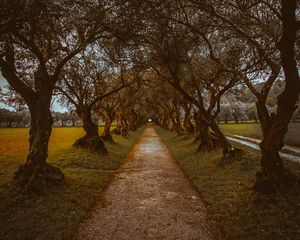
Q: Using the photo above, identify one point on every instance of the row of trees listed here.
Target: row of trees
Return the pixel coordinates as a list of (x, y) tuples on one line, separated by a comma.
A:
[(19, 118), (203, 49), (14, 119), (126, 60), (239, 105), (62, 47)]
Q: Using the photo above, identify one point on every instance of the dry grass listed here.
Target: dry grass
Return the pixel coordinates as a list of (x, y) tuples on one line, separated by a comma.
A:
[(14, 146), (55, 214), (227, 191), (14, 141)]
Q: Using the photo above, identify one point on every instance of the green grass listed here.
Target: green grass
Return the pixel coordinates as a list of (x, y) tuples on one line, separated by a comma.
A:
[(253, 130), (56, 213), (227, 192)]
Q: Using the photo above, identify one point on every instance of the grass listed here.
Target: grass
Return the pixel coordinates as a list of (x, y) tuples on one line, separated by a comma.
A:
[(227, 192), (253, 130), (14, 146), (57, 213)]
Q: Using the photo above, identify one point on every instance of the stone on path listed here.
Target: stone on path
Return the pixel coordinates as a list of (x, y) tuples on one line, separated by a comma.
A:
[(150, 198)]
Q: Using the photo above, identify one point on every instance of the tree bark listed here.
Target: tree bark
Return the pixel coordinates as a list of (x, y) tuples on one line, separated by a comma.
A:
[(106, 133), (189, 127), (118, 128), (91, 140), (35, 173), (221, 139), (206, 141), (275, 175), (210, 135)]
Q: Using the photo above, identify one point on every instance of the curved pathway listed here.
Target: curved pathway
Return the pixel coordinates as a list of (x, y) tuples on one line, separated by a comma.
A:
[(150, 198)]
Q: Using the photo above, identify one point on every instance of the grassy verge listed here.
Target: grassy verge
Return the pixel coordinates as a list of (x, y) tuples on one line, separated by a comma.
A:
[(253, 130), (57, 213), (227, 192)]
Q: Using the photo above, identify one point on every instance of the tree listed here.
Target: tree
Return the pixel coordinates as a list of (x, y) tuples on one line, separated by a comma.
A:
[(180, 61), (274, 25), (12, 119), (274, 174), (256, 25), (37, 39), (88, 79), (113, 106)]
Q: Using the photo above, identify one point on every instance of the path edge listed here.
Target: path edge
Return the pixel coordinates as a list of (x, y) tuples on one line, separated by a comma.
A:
[(218, 233)]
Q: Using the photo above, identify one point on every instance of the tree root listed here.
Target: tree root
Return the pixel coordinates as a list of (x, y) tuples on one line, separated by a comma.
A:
[(36, 179), (94, 144)]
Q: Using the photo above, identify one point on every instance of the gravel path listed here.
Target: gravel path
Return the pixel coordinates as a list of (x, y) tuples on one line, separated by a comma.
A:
[(150, 198)]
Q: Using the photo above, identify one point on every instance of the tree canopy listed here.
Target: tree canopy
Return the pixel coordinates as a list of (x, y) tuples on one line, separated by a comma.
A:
[(185, 64)]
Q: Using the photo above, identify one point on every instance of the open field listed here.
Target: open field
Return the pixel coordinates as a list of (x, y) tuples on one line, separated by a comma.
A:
[(14, 146), (14, 141), (227, 191), (253, 130), (55, 214)]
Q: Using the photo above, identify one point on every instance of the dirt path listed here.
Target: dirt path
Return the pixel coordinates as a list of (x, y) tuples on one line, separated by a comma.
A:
[(150, 199)]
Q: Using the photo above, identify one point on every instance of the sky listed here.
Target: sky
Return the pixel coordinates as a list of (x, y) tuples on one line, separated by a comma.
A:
[(56, 107), (3, 83)]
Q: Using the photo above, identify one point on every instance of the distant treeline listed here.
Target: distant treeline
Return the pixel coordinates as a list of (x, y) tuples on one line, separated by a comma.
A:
[(238, 114), (17, 119), (240, 105)]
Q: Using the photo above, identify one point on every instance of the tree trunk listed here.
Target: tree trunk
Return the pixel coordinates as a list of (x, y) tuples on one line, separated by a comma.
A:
[(235, 116), (264, 117), (177, 119), (118, 128), (90, 128), (176, 123), (36, 172), (206, 141), (106, 133), (189, 127), (124, 128), (221, 139), (275, 175), (91, 140), (211, 136)]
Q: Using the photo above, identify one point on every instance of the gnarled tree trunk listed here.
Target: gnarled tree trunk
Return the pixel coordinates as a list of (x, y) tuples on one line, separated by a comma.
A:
[(106, 133), (35, 173), (189, 127), (221, 139), (91, 140), (211, 136), (207, 142), (275, 175)]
